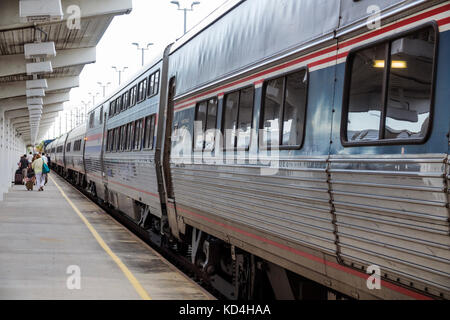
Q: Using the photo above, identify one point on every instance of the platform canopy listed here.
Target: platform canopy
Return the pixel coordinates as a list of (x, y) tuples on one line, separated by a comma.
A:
[(44, 46)]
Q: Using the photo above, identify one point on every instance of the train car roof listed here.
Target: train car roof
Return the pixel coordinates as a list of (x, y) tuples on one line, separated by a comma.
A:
[(77, 131), (154, 60), (353, 14), (241, 36)]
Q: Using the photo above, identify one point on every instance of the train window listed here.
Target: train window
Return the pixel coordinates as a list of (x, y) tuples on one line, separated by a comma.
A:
[(156, 86), (142, 90), (123, 138), (133, 96), (112, 108), (77, 145), (211, 124), (59, 149), (110, 141), (238, 114), (284, 111), (107, 141), (138, 134), (199, 125), (91, 119), (205, 125), (100, 118), (119, 105), (130, 144), (68, 147), (117, 139), (153, 84), (149, 132), (389, 90), (125, 100)]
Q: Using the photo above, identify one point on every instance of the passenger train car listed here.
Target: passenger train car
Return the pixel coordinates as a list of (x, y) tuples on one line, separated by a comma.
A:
[(293, 150)]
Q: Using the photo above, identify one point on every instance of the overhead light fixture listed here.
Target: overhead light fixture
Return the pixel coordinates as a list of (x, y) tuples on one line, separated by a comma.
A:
[(39, 67), (37, 84), (39, 50), (396, 64), (35, 93), (40, 10), (35, 101)]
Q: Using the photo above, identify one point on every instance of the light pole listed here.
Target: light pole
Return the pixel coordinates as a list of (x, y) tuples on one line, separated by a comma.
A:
[(142, 49), (104, 86), (93, 97), (120, 72), (185, 10), (86, 104)]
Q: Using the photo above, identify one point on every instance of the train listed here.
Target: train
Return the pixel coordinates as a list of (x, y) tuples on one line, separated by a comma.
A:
[(290, 149)]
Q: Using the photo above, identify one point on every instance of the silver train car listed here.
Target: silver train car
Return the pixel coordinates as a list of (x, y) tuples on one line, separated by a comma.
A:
[(288, 158), (74, 152)]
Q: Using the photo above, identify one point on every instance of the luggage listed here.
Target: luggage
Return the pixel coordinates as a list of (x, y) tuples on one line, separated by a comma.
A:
[(18, 179), (30, 173), (29, 184)]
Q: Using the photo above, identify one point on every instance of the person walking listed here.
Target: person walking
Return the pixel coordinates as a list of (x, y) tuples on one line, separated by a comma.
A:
[(30, 157), (37, 167), (44, 157), (24, 166)]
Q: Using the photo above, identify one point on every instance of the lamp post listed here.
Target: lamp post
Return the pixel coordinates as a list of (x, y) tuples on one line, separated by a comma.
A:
[(93, 97), (185, 10), (104, 86), (142, 49), (86, 104), (120, 72)]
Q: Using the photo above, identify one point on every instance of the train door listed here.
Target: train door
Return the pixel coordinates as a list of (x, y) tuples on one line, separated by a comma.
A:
[(168, 140), (102, 152), (176, 226), (64, 159)]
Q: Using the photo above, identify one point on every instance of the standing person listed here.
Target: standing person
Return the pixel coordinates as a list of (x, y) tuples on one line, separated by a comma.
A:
[(37, 167), (24, 166), (30, 157), (44, 174), (49, 159)]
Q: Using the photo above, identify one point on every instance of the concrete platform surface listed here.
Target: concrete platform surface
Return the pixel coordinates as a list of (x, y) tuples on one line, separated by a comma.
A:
[(52, 247)]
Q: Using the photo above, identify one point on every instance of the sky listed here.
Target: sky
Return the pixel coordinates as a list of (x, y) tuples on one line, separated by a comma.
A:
[(154, 21)]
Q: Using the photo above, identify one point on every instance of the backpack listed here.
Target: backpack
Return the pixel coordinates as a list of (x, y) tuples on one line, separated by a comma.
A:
[(45, 168)]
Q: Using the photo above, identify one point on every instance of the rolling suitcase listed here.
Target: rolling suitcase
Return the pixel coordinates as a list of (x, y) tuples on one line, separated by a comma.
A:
[(18, 177)]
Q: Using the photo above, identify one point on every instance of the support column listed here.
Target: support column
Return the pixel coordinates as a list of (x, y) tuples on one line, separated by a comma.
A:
[(3, 157), (11, 148)]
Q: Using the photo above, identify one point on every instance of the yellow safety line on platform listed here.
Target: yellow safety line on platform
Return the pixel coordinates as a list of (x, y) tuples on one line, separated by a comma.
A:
[(137, 286)]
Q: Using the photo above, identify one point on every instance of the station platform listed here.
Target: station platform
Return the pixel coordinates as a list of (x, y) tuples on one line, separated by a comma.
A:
[(59, 245)]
